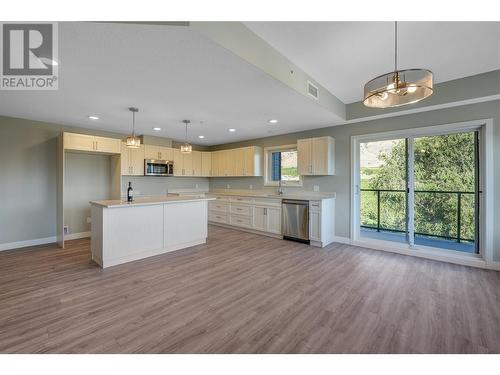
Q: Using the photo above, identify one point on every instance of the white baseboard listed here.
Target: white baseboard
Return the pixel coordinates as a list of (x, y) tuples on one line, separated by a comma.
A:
[(27, 243), (494, 266), (344, 240), (248, 230), (75, 236), (464, 260), (105, 263)]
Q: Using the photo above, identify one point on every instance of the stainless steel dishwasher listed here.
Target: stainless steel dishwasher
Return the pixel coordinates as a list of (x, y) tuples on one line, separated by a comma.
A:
[(295, 214)]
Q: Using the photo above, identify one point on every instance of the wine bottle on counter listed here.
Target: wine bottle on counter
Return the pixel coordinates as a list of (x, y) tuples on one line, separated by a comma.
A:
[(130, 192)]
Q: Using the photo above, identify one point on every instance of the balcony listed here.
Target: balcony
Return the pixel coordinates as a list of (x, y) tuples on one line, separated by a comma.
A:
[(454, 235)]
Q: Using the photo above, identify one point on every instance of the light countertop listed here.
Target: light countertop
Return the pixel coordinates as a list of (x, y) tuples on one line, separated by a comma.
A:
[(147, 201), (311, 196)]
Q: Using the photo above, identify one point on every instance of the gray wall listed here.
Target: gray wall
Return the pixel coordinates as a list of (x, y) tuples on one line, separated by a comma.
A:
[(28, 180), (159, 185), (87, 177), (340, 183)]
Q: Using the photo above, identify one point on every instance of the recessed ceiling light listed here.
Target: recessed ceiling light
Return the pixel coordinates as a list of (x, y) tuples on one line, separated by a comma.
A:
[(156, 129), (231, 130), (273, 121), (94, 117), (201, 136)]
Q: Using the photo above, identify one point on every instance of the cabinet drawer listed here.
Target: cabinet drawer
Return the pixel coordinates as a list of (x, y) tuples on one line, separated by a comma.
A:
[(315, 205), (218, 217), (219, 198), (267, 202), (241, 221), (241, 200), (218, 206), (241, 209)]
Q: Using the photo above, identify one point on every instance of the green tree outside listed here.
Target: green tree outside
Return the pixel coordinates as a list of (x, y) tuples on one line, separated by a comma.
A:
[(442, 163)]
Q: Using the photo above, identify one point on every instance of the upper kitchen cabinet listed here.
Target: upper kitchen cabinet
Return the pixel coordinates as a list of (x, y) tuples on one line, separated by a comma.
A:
[(239, 162), (90, 143), (252, 161), (197, 163), (158, 152), (184, 163), (206, 163), (316, 156), (132, 160)]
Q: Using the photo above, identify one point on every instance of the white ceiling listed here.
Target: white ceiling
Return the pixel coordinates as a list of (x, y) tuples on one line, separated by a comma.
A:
[(170, 73), (343, 56), (173, 73)]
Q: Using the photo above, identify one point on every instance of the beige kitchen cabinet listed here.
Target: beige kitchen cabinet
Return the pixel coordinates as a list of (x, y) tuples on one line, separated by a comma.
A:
[(90, 143), (183, 163), (239, 162), (187, 164), (158, 152), (178, 162), (223, 162), (215, 163), (108, 145), (206, 164), (316, 156), (132, 160), (252, 161), (197, 167)]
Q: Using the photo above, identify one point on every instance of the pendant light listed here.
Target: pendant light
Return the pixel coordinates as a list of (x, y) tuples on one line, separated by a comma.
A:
[(132, 141), (399, 87), (186, 148)]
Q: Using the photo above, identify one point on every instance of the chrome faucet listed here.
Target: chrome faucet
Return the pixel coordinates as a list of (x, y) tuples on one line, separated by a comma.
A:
[(280, 188)]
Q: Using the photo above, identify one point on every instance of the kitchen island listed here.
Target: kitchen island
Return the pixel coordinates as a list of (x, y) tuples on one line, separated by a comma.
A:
[(123, 232)]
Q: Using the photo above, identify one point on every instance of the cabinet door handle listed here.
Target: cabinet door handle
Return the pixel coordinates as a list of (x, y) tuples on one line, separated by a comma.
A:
[(96, 145), (265, 211)]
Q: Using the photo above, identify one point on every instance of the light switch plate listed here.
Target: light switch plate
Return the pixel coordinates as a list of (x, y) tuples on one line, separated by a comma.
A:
[(250, 186), (89, 220), (228, 186)]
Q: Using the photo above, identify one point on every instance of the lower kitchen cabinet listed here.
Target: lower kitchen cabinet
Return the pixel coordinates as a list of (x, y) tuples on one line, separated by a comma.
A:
[(321, 222), (264, 215), (259, 214), (267, 219)]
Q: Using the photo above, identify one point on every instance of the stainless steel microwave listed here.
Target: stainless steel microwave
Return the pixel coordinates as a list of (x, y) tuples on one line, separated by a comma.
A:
[(154, 167)]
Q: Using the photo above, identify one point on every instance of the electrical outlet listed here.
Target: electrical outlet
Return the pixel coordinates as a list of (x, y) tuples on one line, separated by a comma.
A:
[(89, 220), (316, 187), (228, 186), (250, 186), (196, 186)]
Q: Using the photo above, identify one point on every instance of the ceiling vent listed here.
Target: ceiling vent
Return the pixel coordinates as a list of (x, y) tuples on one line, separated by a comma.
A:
[(312, 90)]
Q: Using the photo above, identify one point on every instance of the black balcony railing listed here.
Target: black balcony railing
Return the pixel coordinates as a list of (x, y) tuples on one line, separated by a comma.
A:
[(459, 195)]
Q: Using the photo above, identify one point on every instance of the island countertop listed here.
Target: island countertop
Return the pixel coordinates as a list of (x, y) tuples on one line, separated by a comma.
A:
[(148, 201)]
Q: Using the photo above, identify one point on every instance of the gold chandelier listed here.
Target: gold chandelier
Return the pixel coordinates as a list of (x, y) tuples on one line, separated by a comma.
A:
[(399, 87), (186, 148), (132, 141)]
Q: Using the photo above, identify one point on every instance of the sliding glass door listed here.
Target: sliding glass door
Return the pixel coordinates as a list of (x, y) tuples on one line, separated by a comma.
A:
[(383, 190), (423, 190)]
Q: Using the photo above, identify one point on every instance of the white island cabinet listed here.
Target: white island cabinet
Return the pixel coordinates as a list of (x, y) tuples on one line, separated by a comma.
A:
[(123, 232)]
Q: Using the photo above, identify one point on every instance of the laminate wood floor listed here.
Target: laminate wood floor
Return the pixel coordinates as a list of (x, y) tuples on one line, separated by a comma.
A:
[(244, 293)]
